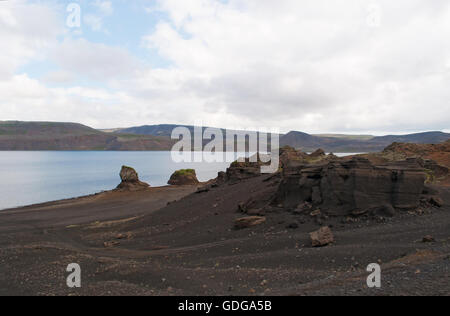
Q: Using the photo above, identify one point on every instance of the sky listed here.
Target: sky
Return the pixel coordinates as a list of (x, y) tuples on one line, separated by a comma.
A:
[(318, 66)]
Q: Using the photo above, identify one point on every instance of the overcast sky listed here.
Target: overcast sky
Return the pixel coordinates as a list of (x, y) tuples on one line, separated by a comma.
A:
[(319, 66)]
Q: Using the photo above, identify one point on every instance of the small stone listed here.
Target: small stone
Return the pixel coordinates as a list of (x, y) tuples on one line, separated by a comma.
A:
[(322, 237), (428, 239), (436, 201), (249, 221)]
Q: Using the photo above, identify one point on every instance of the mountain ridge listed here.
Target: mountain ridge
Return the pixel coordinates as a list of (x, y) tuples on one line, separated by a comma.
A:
[(20, 135)]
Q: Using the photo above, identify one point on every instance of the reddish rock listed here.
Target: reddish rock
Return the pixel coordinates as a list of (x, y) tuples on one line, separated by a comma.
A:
[(322, 237), (250, 221)]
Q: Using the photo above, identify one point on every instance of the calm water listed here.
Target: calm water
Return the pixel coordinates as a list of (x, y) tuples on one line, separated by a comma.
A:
[(36, 177)]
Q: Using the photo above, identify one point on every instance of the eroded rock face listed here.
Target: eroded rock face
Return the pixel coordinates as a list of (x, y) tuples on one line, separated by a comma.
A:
[(341, 188), (184, 177), (130, 180)]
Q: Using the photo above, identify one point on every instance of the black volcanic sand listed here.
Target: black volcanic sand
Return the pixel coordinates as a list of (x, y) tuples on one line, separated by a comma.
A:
[(133, 244)]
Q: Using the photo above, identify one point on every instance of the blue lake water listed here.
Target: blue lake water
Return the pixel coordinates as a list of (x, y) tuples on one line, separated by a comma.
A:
[(36, 177)]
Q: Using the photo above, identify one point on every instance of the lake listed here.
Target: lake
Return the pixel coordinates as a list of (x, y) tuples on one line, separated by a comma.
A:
[(36, 177)]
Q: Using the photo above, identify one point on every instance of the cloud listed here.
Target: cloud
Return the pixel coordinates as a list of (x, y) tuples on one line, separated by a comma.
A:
[(94, 61), (25, 31), (96, 20), (363, 66), (319, 64)]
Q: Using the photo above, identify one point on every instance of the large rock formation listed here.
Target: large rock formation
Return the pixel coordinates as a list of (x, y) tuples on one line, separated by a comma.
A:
[(355, 187), (184, 177), (130, 180)]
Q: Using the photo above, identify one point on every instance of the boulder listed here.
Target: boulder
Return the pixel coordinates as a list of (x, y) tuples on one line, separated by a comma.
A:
[(184, 177), (130, 180), (250, 221), (322, 237)]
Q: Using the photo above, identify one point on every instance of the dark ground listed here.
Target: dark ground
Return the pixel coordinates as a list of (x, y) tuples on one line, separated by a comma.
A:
[(191, 248)]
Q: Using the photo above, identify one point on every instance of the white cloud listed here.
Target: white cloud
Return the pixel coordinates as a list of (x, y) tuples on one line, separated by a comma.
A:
[(316, 66), (313, 65), (93, 60), (96, 20), (25, 31)]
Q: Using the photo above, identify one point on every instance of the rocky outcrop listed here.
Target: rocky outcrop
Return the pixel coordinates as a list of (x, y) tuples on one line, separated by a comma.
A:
[(322, 237), (319, 153), (433, 157), (130, 180), (241, 170), (355, 187), (184, 177)]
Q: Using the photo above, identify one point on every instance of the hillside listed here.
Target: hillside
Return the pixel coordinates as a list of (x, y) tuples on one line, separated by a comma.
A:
[(16, 135), (308, 142)]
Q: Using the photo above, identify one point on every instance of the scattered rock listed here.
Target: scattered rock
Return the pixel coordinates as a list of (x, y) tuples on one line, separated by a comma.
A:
[(130, 180), (183, 177), (293, 225), (249, 221), (322, 237), (110, 244), (436, 201), (428, 239)]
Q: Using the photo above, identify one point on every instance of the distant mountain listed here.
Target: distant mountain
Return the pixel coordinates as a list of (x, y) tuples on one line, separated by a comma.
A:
[(153, 130), (15, 135), (420, 138), (347, 143)]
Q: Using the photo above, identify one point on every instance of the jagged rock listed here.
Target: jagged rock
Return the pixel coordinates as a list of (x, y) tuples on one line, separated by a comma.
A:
[(322, 237), (130, 180), (249, 221), (341, 188), (318, 153), (289, 155), (184, 177), (243, 170)]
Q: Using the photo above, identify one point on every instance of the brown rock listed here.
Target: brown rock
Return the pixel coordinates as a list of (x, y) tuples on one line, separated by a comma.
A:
[(184, 177), (340, 187), (318, 153), (436, 201), (130, 180), (322, 237), (428, 239), (249, 221)]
